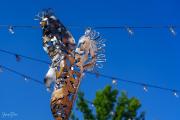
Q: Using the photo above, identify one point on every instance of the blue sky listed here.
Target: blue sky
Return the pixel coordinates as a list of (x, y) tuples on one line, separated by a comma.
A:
[(150, 56)]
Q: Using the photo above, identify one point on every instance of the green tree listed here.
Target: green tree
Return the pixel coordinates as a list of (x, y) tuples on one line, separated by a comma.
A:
[(110, 106)]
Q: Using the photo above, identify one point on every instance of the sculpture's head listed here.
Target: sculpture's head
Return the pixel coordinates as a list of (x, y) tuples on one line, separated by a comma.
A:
[(46, 13), (44, 16)]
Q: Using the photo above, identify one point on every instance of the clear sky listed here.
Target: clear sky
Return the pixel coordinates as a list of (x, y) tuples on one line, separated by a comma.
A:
[(150, 56)]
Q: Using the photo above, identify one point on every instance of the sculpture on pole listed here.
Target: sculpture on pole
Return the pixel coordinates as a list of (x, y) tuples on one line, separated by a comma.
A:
[(69, 61)]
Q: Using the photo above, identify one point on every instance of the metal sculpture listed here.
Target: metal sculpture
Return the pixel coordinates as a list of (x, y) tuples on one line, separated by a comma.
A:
[(69, 61)]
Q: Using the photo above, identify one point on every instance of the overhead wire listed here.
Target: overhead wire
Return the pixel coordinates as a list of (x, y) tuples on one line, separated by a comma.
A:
[(114, 79)]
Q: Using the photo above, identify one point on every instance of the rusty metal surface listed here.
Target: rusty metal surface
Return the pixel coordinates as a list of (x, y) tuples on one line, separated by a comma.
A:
[(69, 61)]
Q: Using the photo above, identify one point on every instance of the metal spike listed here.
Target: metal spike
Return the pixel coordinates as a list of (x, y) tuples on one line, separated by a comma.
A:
[(99, 65), (36, 18), (48, 90), (101, 60)]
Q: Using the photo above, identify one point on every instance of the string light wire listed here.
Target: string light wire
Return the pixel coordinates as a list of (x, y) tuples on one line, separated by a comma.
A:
[(26, 57), (26, 77), (93, 73), (171, 27), (135, 83)]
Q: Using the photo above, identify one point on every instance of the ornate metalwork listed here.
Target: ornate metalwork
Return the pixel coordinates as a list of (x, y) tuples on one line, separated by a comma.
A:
[(69, 61)]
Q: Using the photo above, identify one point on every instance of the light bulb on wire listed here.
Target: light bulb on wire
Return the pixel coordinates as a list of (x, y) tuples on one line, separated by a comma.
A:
[(92, 105), (112, 113), (145, 88), (172, 30), (25, 78), (114, 81), (1, 69), (130, 31), (11, 29), (175, 94), (18, 58)]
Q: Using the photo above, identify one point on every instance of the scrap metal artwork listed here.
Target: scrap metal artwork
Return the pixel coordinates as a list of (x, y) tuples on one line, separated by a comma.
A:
[(69, 61)]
